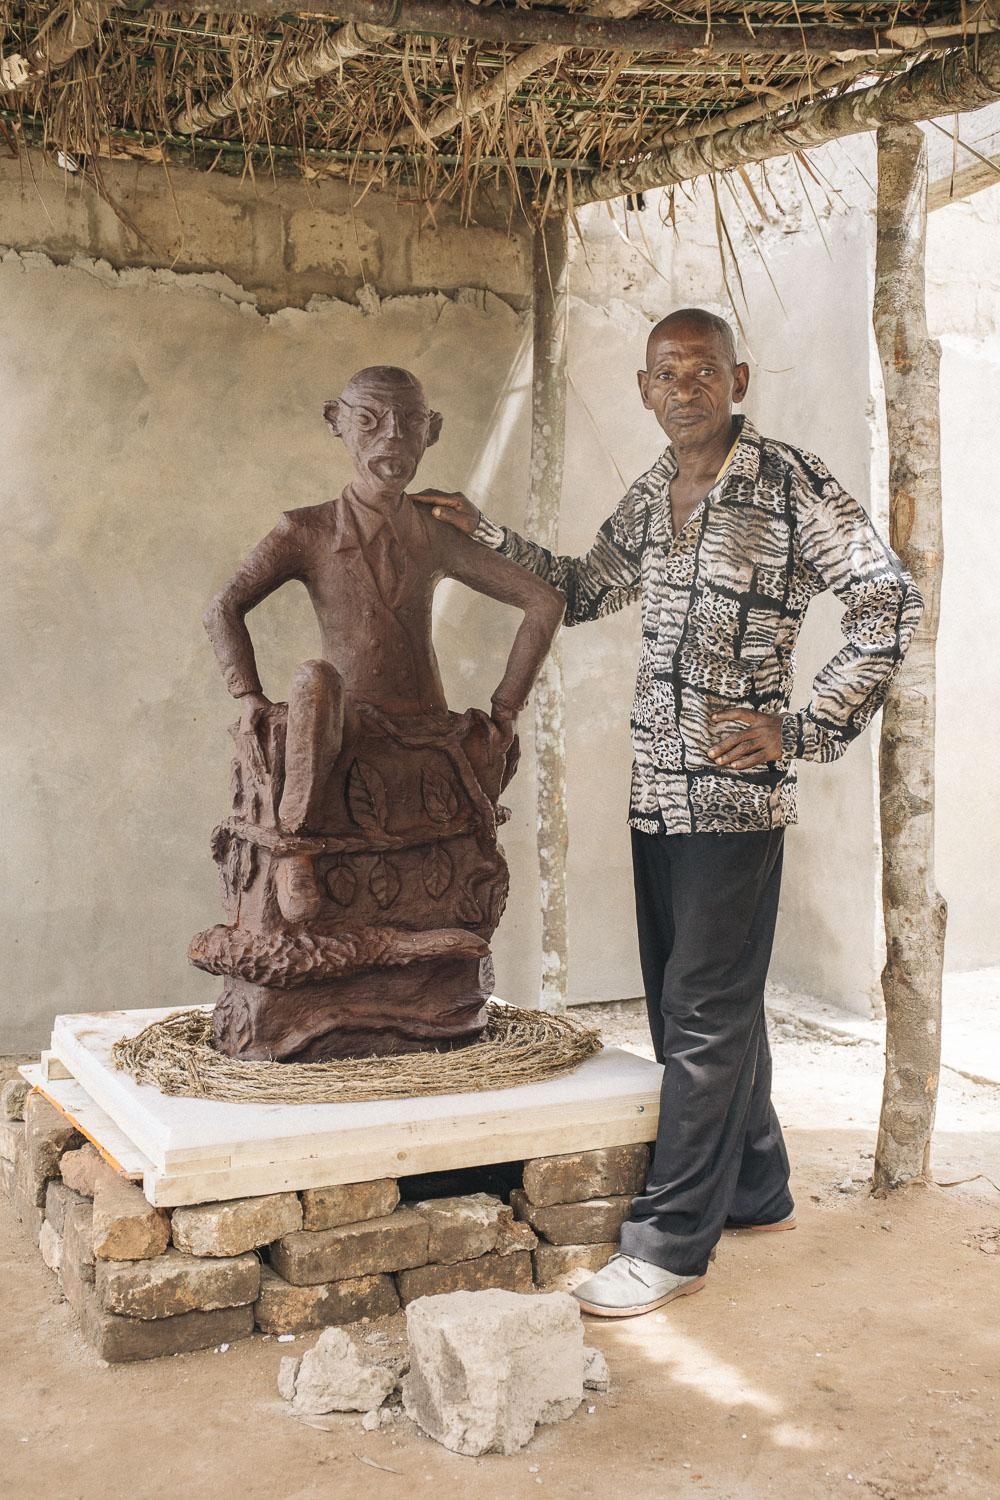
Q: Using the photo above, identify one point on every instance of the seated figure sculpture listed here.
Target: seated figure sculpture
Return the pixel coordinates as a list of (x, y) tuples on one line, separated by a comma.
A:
[(361, 873)]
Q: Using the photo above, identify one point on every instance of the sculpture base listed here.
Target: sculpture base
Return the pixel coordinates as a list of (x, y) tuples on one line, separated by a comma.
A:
[(423, 1007)]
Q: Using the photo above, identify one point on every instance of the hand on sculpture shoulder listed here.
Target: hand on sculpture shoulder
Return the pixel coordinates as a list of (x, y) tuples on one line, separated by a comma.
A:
[(756, 745), (455, 508)]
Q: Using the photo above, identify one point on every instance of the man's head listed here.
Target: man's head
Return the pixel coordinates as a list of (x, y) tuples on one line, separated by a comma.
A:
[(692, 378), (385, 423)]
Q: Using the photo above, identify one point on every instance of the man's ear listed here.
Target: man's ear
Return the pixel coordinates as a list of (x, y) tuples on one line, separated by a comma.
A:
[(331, 411), (434, 427), (642, 376), (741, 379)]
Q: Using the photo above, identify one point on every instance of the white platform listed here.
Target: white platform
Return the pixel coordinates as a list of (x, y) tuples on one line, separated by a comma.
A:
[(198, 1150)]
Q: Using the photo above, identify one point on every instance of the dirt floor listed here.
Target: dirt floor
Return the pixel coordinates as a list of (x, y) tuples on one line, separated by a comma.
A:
[(857, 1356)]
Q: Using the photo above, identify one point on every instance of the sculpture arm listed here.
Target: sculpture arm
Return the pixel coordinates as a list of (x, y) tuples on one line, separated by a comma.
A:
[(272, 562), (542, 606)]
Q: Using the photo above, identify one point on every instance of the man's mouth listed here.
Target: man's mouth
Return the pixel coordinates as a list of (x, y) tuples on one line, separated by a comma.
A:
[(687, 415)]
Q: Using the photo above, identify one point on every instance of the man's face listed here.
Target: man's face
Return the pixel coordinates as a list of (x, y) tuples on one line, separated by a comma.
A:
[(386, 429), (691, 383)]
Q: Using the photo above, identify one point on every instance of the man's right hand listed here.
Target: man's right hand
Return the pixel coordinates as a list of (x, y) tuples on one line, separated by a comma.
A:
[(456, 509)]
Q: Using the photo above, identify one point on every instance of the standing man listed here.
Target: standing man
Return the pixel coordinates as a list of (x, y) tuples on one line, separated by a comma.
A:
[(724, 541)]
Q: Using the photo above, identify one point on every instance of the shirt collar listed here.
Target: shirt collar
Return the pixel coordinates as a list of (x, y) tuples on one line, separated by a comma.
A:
[(744, 464)]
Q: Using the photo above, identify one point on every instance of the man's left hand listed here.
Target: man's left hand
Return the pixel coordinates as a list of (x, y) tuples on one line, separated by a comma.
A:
[(756, 745)]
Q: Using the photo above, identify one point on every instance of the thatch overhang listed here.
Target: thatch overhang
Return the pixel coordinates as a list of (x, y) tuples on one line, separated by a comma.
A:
[(443, 99)]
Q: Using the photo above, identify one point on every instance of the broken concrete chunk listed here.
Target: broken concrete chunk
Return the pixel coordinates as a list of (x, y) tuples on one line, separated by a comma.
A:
[(511, 1272), (559, 1268), (339, 1374), (611, 1172), (233, 1227), (11, 1139), (174, 1283), (591, 1223), (348, 1203), (58, 1200), (78, 1240), (283, 1308), (126, 1227), (462, 1228), (47, 1135), (596, 1375), (13, 1097), (394, 1243), (50, 1246), (487, 1367), (80, 1169)]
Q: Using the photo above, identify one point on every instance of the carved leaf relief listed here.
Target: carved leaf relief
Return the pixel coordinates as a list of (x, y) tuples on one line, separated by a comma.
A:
[(384, 882), (467, 909), (439, 796), (437, 870), (367, 802), (341, 884)]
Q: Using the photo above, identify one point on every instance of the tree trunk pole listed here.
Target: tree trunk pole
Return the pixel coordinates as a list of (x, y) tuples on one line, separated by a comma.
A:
[(915, 913), (550, 307)]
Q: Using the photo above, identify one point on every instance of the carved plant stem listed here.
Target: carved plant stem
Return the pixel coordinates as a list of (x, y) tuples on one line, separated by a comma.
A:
[(550, 294), (915, 913)]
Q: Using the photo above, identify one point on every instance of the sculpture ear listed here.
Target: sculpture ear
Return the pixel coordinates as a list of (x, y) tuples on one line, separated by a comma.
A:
[(331, 411), (434, 427)]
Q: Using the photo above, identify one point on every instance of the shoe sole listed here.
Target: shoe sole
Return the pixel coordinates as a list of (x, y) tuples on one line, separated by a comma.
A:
[(636, 1312), (778, 1228)]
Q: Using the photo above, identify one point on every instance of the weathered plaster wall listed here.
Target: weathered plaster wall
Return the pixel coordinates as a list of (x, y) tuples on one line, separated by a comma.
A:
[(963, 266)]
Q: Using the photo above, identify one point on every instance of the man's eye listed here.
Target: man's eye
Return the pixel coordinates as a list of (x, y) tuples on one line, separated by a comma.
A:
[(708, 370), (665, 375)]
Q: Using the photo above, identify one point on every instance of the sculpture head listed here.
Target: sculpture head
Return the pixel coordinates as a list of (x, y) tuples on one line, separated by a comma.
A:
[(386, 426)]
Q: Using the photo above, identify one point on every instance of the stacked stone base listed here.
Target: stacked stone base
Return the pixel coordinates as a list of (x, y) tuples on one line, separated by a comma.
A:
[(146, 1282)]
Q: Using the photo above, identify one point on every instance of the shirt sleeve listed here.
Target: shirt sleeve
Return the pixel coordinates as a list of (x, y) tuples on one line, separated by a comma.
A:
[(597, 584), (838, 542)]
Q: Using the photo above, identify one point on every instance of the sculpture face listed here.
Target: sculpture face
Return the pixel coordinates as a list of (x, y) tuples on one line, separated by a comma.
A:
[(386, 426)]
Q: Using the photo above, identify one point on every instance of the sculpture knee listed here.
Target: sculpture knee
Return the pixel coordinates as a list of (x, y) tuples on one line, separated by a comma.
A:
[(318, 681)]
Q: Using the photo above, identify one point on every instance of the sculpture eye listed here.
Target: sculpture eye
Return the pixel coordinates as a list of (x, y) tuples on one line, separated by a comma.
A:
[(366, 420)]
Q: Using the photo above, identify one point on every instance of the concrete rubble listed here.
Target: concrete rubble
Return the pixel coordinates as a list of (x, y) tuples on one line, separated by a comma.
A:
[(339, 1374), (487, 1367), (596, 1375)]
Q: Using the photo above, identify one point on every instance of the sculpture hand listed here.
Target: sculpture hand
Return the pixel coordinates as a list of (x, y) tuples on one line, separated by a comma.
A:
[(456, 509), (253, 707)]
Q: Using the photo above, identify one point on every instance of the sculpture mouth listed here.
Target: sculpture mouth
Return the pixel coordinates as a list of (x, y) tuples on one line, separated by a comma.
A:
[(391, 466)]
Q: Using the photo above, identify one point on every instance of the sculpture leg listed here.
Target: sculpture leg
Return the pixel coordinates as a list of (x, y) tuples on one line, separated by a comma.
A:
[(314, 737)]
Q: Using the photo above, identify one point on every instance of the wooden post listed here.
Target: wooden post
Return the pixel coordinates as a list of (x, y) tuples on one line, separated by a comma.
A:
[(915, 913), (550, 304)]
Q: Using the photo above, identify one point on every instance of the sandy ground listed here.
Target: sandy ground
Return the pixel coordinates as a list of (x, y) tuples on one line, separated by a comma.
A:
[(857, 1356)]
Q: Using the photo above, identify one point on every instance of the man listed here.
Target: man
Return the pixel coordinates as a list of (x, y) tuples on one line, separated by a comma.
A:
[(724, 541)]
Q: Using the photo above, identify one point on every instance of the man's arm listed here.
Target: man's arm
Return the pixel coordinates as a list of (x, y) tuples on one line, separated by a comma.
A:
[(604, 580), (542, 606), (272, 562), (883, 607)]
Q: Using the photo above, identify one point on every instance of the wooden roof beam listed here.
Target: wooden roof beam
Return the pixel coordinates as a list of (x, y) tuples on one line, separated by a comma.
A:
[(518, 26), (965, 79)]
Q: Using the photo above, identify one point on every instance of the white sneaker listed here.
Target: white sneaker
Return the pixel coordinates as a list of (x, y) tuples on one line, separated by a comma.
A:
[(628, 1286)]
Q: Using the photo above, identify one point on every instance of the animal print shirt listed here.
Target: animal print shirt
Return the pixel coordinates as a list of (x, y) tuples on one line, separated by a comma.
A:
[(722, 604)]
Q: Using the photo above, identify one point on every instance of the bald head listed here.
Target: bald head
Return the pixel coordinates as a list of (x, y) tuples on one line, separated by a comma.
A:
[(383, 380), (696, 320)]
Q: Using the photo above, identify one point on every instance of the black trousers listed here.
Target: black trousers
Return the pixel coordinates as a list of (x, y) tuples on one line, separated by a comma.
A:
[(706, 905)]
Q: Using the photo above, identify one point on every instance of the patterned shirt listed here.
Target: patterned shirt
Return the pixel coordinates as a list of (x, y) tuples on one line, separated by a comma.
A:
[(722, 603)]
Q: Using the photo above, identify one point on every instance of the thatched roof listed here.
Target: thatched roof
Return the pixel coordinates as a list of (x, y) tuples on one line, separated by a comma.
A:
[(443, 115)]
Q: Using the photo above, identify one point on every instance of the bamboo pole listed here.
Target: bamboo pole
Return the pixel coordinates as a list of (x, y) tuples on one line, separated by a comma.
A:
[(915, 913), (520, 25), (965, 79), (550, 307)]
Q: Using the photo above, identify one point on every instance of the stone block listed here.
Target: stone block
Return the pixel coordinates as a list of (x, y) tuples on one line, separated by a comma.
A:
[(462, 1228), (6, 1177), (283, 1308), (394, 1243), (513, 1235), (50, 1246), (559, 1268), (487, 1367), (339, 1374), (13, 1097), (58, 1200), (11, 1136), (510, 1272), (174, 1283), (236, 1226), (591, 1223), (78, 1240), (330, 1207), (47, 1134), (614, 1171), (126, 1227), (118, 1339), (81, 1168)]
